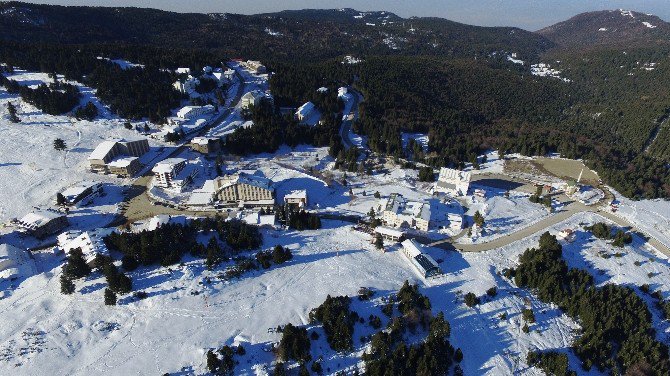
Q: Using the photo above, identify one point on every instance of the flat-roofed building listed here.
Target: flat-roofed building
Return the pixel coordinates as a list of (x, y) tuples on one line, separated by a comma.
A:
[(425, 264), (125, 166), (297, 198), (244, 190), (173, 173), (42, 223), (205, 145), (453, 181), (390, 234), (103, 154), (399, 212), (107, 151), (190, 112), (75, 194)]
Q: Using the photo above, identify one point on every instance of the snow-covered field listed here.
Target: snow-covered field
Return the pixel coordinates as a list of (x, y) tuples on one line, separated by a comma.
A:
[(31, 170)]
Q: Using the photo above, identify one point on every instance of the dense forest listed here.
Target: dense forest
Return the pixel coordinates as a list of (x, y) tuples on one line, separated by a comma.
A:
[(449, 80)]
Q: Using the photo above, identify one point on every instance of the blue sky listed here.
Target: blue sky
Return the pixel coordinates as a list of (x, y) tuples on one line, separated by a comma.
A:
[(527, 14)]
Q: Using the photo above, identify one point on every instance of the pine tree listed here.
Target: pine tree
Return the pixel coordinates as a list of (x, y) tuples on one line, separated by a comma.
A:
[(66, 285), (13, 117), (379, 242), (110, 297), (60, 199), (76, 266), (213, 362), (479, 219), (59, 144)]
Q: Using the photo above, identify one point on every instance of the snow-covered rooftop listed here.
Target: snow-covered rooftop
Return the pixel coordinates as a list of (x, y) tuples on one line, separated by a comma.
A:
[(166, 166)]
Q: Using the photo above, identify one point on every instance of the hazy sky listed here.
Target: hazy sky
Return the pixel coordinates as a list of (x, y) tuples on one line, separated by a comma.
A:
[(528, 14)]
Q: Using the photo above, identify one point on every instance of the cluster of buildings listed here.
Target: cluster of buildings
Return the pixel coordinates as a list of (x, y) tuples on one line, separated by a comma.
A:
[(173, 174), (453, 182), (190, 119), (254, 66), (399, 212), (189, 84), (118, 157)]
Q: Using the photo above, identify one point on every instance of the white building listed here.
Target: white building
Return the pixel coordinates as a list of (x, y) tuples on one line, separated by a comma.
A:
[(81, 191), (90, 242), (452, 181), (398, 212), (190, 112), (183, 71), (305, 111), (425, 264), (254, 66), (173, 173), (254, 98), (298, 198), (390, 234), (41, 223), (341, 92), (15, 262)]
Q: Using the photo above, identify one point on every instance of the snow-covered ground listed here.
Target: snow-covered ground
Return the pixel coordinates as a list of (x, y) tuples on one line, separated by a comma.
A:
[(31, 170), (650, 216)]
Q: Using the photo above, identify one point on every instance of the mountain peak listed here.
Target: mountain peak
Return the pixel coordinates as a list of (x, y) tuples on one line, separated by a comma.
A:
[(608, 28)]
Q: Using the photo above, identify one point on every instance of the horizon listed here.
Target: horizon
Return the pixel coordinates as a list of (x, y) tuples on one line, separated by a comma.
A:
[(530, 15)]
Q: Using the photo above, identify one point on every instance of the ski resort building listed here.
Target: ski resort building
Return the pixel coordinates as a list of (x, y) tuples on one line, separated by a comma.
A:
[(15, 262), (305, 111), (125, 167), (244, 190), (454, 182), (421, 261), (107, 151), (81, 191), (296, 198), (254, 98), (173, 173), (205, 145), (90, 242), (254, 66), (390, 234), (398, 212), (42, 223), (190, 112)]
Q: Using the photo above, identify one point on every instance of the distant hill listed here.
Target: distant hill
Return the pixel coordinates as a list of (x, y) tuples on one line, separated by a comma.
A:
[(617, 28), (295, 34)]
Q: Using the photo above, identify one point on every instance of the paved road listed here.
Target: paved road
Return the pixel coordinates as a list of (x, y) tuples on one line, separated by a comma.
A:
[(571, 209), (347, 122)]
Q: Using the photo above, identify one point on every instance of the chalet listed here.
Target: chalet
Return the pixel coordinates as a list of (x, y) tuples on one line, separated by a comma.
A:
[(421, 261), (91, 243), (81, 191), (453, 182), (305, 111), (42, 223)]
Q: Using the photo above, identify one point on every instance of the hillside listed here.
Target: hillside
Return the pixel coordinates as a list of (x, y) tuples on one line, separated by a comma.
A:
[(285, 35), (612, 28)]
